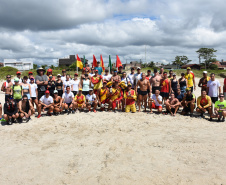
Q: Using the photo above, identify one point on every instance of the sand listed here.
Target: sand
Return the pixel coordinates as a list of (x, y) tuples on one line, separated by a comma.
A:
[(113, 148)]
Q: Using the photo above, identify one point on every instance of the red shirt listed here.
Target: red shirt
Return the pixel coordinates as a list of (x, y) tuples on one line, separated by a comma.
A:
[(165, 86)]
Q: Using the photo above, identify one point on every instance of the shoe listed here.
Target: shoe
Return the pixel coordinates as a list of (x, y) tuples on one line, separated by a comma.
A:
[(218, 120), (191, 115), (49, 114), (94, 111), (27, 120), (211, 119), (223, 120), (10, 122), (202, 116), (15, 121), (39, 116), (73, 111), (68, 112)]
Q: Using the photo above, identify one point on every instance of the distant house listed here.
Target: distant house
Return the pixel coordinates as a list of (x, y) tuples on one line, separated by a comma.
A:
[(134, 64), (192, 66), (171, 67), (68, 61), (220, 65), (1, 64), (21, 65), (158, 64)]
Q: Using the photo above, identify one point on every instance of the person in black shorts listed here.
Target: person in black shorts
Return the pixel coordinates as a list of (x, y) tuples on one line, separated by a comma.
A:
[(188, 102)]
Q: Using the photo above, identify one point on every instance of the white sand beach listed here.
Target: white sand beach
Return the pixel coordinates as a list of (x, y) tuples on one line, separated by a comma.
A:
[(113, 148)]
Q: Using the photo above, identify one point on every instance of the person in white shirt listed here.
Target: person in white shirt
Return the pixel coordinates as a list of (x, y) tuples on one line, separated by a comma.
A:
[(107, 76), (125, 79), (213, 86), (66, 83), (91, 100), (63, 77), (131, 77), (75, 84), (68, 100), (155, 102), (34, 94), (45, 103), (137, 76)]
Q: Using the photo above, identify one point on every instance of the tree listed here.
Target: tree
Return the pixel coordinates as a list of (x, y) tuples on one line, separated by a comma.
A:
[(207, 54), (213, 67), (181, 60), (35, 66), (73, 66), (44, 66), (151, 64), (52, 67)]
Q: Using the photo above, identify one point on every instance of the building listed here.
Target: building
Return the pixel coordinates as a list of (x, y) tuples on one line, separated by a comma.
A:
[(68, 61), (1, 64), (171, 67), (134, 64), (192, 66), (221, 65), (21, 65)]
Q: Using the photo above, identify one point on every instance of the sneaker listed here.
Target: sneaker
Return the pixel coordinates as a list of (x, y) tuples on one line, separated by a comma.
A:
[(39, 116), (27, 120), (15, 121), (73, 111), (10, 121), (211, 119), (202, 116), (68, 112)]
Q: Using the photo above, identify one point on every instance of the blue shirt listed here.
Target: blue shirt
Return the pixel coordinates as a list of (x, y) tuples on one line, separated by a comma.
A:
[(180, 97), (100, 70)]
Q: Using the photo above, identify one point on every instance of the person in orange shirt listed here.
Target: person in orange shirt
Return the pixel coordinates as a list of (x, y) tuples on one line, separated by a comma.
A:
[(130, 98), (96, 80), (80, 101), (115, 96), (102, 95)]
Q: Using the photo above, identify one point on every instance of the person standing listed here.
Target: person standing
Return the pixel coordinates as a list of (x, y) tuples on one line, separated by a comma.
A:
[(120, 72), (26, 88), (63, 76), (59, 85), (99, 68), (66, 82), (18, 75), (213, 88), (203, 81), (183, 83), (174, 85), (34, 94), (96, 80), (131, 77), (190, 79), (51, 85), (6, 87), (42, 81), (165, 87), (155, 81), (107, 76), (85, 84), (130, 98), (17, 91), (75, 84)]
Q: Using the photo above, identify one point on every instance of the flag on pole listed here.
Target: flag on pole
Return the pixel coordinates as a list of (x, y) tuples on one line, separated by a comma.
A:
[(94, 62), (118, 62), (84, 61), (109, 65), (102, 62), (79, 63)]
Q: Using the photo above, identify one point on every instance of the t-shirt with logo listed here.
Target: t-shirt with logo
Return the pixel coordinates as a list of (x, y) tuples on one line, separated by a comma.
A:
[(220, 105), (46, 100), (213, 88), (68, 97), (17, 92), (90, 98)]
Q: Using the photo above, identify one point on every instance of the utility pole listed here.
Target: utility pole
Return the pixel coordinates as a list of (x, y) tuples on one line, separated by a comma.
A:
[(145, 55)]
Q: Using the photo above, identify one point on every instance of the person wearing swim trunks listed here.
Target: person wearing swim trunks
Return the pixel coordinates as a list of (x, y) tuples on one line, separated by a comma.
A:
[(58, 106), (204, 104), (6, 87), (144, 85), (25, 107), (115, 77), (220, 109), (165, 87), (80, 101), (91, 101), (130, 98), (203, 81), (155, 82), (96, 80), (190, 79), (172, 105), (188, 103), (115, 95), (155, 102), (68, 100), (102, 95)]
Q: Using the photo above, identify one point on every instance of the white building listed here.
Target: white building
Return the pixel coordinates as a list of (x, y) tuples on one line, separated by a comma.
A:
[(21, 65)]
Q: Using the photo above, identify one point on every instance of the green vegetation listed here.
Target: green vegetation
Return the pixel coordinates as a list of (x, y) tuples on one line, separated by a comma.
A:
[(7, 71)]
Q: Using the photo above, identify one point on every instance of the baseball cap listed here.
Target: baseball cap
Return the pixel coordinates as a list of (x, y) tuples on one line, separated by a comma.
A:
[(205, 72), (174, 74), (49, 70), (96, 70), (32, 78), (16, 79), (80, 89), (129, 84), (90, 89), (138, 67), (55, 92), (59, 75), (18, 72), (188, 68), (47, 91), (30, 72), (76, 74)]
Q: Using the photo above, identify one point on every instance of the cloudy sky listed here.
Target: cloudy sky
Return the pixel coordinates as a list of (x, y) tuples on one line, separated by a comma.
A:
[(45, 30)]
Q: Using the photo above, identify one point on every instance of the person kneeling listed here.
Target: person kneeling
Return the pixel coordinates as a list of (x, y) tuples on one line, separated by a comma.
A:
[(45, 103), (68, 99), (10, 110), (58, 107), (25, 108), (155, 102), (204, 104), (172, 105), (220, 109), (80, 100), (188, 103), (91, 101), (130, 98)]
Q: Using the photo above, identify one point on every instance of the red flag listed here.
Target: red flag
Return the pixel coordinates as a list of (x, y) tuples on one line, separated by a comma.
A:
[(94, 61), (102, 62), (118, 62)]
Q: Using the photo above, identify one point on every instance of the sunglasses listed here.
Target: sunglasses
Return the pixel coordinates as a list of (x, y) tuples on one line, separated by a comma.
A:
[(8, 77), (25, 99), (11, 98), (221, 96)]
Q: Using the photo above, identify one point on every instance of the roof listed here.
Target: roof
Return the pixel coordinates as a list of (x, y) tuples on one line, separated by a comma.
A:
[(190, 65)]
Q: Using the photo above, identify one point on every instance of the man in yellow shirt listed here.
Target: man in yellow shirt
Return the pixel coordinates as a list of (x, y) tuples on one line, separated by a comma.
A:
[(204, 104), (191, 79), (130, 98), (96, 81), (80, 100)]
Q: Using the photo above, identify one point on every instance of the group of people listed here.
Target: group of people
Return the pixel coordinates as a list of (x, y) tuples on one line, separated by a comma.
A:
[(110, 90)]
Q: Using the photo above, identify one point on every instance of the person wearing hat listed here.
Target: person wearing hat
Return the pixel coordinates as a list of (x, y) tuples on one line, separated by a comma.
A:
[(25, 108), (219, 109), (130, 99), (190, 79), (16, 91), (58, 106), (96, 80), (102, 95), (115, 76), (34, 94), (99, 68), (174, 85), (50, 72), (80, 101), (45, 103), (85, 84), (63, 76), (203, 81), (137, 76), (155, 82), (204, 104), (170, 74), (68, 100), (107, 76), (30, 74), (42, 81), (11, 110), (183, 83), (59, 85), (75, 84), (131, 77), (115, 95), (18, 75), (91, 101), (6, 87), (188, 102), (51, 85)]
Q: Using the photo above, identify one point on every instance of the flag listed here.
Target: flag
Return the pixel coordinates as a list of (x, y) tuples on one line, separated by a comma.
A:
[(79, 63), (94, 62), (102, 62), (84, 60), (109, 65), (118, 62)]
